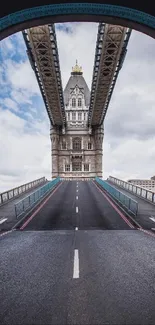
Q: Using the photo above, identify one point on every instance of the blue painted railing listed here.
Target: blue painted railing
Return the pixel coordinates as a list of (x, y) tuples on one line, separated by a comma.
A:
[(128, 203), (29, 201)]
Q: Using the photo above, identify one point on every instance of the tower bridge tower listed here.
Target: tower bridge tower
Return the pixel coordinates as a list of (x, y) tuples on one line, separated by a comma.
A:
[(77, 150)]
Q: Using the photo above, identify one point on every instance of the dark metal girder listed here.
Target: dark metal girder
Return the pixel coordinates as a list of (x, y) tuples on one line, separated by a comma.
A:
[(47, 81), (110, 58)]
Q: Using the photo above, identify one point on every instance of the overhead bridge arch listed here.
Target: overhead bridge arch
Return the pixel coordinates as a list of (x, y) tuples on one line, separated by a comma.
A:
[(19, 15)]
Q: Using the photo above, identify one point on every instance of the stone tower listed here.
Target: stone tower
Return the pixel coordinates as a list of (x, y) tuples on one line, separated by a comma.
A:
[(77, 150)]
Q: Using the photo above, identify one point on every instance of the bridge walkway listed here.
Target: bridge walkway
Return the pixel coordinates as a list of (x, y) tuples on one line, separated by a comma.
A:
[(146, 210), (7, 210)]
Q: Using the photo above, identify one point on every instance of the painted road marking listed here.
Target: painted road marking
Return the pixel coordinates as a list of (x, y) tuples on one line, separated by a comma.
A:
[(152, 218), (76, 264), (3, 220), (76, 228), (77, 210), (40, 207), (77, 190), (77, 197), (7, 232), (115, 208)]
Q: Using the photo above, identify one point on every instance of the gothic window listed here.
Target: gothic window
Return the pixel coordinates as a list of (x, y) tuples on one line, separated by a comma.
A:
[(74, 116), (68, 116), (67, 168), (76, 144), (64, 145), (86, 167), (79, 102), (76, 166), (89, 145), (73, 102), (79, 116)]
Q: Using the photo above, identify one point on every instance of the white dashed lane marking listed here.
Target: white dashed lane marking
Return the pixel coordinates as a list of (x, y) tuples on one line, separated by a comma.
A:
[(3, 220), (76, 264)]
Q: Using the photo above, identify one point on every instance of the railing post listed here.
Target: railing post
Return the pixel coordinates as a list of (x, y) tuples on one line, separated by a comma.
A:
[(23, 205), (129, 204)]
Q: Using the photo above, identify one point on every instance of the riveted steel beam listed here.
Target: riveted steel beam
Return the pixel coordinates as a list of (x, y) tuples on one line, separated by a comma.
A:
[(43, 54), (111, 47)]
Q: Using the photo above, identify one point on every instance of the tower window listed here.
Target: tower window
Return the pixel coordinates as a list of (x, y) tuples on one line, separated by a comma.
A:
[(79, 102), (74, 116), (67, 168), (76, 166), (64, 145), (79, 116), (77, 144), (73, 102), (89, 145), (86, 167)]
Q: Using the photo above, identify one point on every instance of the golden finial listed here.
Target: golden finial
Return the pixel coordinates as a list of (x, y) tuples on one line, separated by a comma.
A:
[(76, 68)]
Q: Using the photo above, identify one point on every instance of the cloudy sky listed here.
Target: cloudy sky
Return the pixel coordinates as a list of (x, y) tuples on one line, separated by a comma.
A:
[(129, 143)]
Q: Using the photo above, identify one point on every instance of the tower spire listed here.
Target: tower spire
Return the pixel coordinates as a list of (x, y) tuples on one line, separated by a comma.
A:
[(76, 69)]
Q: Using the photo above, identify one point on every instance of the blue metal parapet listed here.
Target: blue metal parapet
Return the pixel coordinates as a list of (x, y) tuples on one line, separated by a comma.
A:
[(28, 202), (128, 203)]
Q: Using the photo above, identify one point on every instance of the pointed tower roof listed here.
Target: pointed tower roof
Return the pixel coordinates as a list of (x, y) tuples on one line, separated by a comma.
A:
[(76, 79)]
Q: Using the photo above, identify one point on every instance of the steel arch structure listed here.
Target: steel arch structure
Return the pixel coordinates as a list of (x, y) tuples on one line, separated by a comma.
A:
[(19, 15)]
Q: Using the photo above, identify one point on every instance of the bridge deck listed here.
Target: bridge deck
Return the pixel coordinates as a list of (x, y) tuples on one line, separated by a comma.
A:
[(102, 273), (8, 210), (82, 206), (146, 210)]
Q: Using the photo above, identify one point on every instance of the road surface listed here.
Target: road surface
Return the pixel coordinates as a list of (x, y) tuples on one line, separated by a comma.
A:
[(77, 266)]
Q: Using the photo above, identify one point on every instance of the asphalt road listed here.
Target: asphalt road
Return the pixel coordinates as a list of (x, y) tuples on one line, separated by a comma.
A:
[(79, 205), (77, 261), (115, 284)]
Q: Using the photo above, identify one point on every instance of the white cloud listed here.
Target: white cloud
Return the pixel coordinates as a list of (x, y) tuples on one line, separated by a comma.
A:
[(10, 104), (78, 44), (129, 125), (21, 76), (24, 156)]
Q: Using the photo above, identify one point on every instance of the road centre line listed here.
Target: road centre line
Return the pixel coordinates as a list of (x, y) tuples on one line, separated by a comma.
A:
[(77, 210), (76, 264)]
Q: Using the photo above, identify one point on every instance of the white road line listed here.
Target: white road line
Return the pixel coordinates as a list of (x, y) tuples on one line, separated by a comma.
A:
[(76, 228), (3, 220), (76, 264), (76, 197), (152, 218), (77, 210), (77, 190)]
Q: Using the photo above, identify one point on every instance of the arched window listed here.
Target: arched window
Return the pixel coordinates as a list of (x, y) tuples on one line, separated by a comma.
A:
[(73, 102), (64, 146), (79, 102), (77, 144), (89, 146)]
